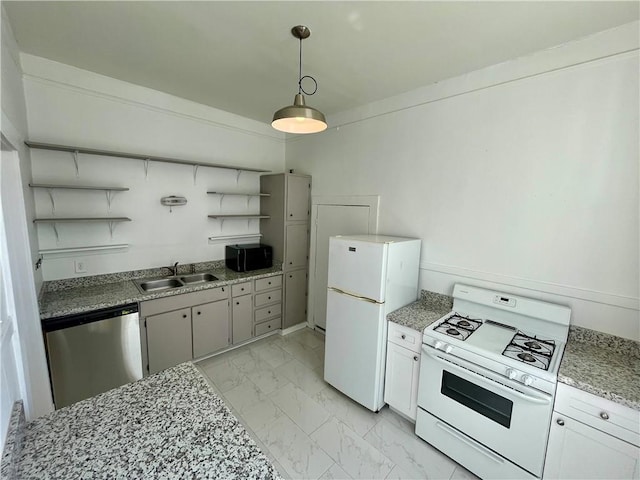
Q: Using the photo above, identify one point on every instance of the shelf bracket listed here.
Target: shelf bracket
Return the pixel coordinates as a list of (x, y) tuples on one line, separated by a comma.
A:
[(220, 201), (238, 172), (112, 226), (54, 225), (53, 201), (75, 162), (109, 194), (146, 168), (195, 173)]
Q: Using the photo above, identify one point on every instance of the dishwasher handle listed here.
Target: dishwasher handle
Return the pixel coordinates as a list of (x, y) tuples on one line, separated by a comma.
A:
[(68, 321)]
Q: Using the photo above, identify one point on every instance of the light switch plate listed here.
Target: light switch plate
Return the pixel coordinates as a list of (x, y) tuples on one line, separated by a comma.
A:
[(80, 266)]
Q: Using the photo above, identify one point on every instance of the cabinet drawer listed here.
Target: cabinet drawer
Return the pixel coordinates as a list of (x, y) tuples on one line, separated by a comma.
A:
[(268, 283), (405, 337), (215, 294), (266, 327), (605, 415), (267, 312), (240, 289), (268, 298)]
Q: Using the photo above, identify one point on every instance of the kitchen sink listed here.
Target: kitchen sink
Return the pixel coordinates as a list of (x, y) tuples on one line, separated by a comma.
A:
[(198, 278), (158, 285)]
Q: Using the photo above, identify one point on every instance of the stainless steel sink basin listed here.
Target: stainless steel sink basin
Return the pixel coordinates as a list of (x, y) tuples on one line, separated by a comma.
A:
[(198, 278), (160, 284)]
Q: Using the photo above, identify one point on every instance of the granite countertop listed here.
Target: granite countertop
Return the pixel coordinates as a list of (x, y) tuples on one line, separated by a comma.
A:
[(422, 313), (168, 425), (603, 365), (83, 294)]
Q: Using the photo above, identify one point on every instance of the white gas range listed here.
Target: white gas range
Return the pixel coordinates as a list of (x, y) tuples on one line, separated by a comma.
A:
[(488, 379)]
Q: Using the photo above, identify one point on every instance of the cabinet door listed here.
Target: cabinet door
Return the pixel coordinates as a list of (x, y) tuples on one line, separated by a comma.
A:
[(576, 450), (297, 246), (241, 313), (401, 379), (298, 194), (210, 327), (295, 298), (168, 339)]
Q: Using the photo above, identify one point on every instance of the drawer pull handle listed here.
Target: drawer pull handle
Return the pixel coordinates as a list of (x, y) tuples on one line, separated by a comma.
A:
[(242, 289), (416, 358), (403, 336), (184, 315), (198, 313), (269, 283), (604, 415), (560, 422), (269, 312), (237, 303), (269, 298)]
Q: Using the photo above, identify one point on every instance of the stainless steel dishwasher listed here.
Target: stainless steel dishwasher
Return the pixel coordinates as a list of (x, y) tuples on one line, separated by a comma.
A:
[(92, 352)]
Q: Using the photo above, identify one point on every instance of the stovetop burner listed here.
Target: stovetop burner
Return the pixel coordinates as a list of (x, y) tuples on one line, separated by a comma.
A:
[(531, 350), (458, 326)]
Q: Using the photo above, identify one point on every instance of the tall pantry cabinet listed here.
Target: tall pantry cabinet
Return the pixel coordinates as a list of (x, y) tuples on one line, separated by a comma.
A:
[(287, 231)]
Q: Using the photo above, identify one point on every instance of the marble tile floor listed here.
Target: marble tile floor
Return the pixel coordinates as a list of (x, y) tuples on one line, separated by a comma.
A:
[(275, 387)]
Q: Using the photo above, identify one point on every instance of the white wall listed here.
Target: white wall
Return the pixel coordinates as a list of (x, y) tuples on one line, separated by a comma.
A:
[(69, 106), (23, 369), (522, 176)]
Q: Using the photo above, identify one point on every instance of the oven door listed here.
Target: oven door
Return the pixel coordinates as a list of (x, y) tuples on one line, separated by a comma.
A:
[(504, 416)]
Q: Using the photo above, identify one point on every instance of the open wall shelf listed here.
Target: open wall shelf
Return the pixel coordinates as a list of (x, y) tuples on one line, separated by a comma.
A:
[(134, 156)]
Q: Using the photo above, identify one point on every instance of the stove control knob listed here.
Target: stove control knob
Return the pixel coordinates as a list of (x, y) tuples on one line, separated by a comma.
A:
[(527, 380), (438, 345), (511, 373), (448, 348)]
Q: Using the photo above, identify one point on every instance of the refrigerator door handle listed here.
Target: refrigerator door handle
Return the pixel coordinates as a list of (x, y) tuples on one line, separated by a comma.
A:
[(359, 297)]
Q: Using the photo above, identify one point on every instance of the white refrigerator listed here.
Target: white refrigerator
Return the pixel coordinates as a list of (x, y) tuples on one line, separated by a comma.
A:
[(369, 276)]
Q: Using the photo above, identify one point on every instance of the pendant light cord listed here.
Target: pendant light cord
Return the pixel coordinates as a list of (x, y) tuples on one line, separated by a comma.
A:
[(300, 77)]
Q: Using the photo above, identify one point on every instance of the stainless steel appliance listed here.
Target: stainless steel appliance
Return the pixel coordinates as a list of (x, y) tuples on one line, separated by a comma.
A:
[(250, 256), (92, 352), (487, 381)]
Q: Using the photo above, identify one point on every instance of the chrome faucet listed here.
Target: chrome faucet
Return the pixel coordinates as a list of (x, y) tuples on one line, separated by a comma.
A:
[(173, 270)]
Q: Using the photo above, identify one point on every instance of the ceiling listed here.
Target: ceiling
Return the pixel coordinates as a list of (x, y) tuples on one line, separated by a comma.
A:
[(241, 57)]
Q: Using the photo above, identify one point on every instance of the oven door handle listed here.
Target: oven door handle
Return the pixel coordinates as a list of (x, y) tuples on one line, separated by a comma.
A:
[(541, 400)]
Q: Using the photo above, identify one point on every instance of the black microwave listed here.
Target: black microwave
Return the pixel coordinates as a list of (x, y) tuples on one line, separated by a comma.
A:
[(250, 256)]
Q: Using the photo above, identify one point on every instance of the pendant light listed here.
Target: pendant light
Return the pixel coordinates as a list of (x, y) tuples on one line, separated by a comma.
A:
[(299, 117)]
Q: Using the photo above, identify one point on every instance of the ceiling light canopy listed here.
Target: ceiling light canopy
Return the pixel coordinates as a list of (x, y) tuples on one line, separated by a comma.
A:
[(299, 117)]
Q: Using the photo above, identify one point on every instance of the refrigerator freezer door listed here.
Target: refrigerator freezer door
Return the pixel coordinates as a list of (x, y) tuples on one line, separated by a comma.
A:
[(358, 267), (355, 348)]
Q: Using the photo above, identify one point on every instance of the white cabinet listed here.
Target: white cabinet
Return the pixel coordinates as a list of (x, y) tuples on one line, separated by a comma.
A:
[(210, 325), (403, 369), (592, 438), (287, 231), (168, 339), (241, 312)]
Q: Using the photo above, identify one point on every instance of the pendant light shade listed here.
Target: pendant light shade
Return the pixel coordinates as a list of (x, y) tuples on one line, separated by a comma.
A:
[(299, 117)]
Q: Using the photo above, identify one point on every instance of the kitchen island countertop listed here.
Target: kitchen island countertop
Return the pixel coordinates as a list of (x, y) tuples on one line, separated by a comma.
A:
[(85, 294), (168, 425)]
